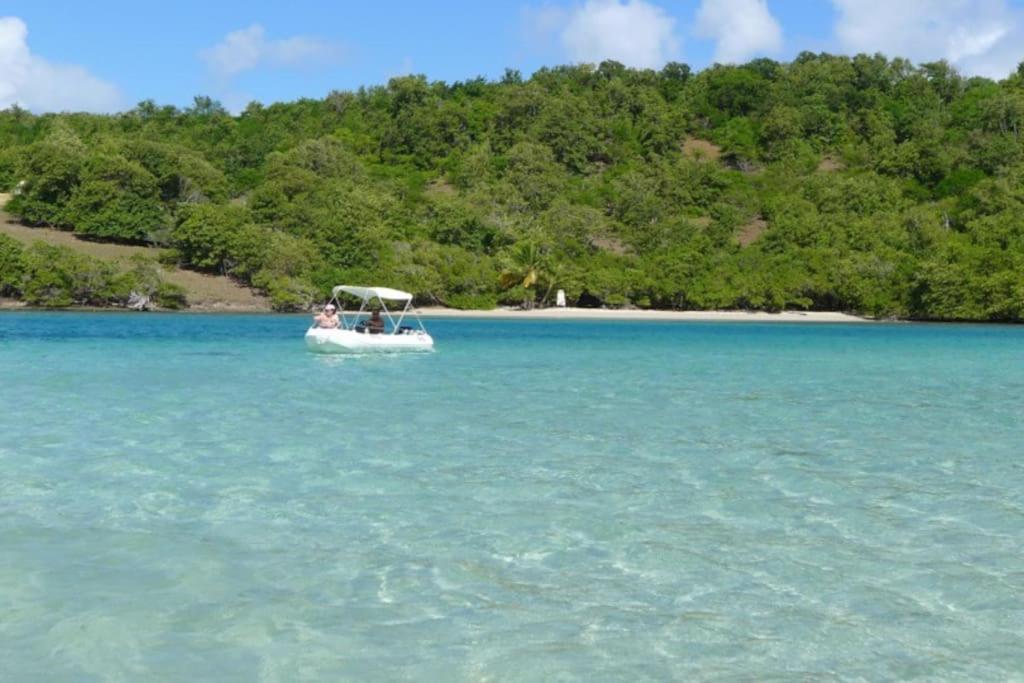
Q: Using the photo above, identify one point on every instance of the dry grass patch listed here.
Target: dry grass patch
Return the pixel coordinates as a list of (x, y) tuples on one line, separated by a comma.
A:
[(204, 291), (830, 165), (751, 231), (701, 149), (121, 253), (610, 244), (440, 187)]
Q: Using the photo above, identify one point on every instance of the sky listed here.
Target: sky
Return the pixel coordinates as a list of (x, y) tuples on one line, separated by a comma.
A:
[(108, 55)]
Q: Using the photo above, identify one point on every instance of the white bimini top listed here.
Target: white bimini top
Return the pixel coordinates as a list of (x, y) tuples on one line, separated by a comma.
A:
[(367, 293)]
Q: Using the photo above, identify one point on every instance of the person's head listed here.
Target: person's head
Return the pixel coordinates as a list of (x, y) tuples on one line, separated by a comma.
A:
[(329, 309), (375, 314)]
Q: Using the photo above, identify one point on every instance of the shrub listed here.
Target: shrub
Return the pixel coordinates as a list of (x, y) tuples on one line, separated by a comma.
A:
[(51, 169), (484, 302), (117, 199), (12, 267), (169, 258), (8, 170), (142, 278), (58, 276), (205, 234), (180, 174), (286, 293), (170, 295)]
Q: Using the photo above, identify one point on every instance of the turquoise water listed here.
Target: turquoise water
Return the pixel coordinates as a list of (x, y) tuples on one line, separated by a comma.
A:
[(198, 498)]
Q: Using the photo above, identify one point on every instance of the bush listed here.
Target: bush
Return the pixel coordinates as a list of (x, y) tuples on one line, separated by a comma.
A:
[(205, 235), (256, 249), (57, 277), (51, 170), (170, 295), (117, 199), (8, 170), (169, 258), (484, 302), (181, 175), (144, 278), (286, 293), (12, 266)]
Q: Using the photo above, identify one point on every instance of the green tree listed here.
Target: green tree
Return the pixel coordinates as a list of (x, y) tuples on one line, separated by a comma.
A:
[(116, 199), (527, 271), (862, 183), (49, 171), (533, 172), (12, 268), (57, 276), (206, 234)]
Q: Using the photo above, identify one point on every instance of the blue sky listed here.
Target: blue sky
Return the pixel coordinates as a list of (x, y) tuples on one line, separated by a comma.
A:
[(106, 56)]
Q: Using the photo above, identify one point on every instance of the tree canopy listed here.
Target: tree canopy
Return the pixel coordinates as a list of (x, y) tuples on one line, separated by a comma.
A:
[(863, 184)]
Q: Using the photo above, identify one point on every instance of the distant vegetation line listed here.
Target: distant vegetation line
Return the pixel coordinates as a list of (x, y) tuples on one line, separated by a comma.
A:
[(861, 184)]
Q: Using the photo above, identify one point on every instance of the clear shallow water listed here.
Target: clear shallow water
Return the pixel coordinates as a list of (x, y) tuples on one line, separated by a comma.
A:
[(198, 498)]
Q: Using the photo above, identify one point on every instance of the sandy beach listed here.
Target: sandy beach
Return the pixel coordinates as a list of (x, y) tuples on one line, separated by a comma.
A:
[(512, 313), (636, 314), (519, 314)]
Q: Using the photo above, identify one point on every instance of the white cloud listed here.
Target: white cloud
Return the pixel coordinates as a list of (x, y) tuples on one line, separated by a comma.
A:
[(248, 48), (38, 85), (540, 25), (633, 32), (741, 29), (980, 37)]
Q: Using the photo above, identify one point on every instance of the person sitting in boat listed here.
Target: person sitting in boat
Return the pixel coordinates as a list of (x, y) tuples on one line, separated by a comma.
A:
[(328, 318), (375, 325)]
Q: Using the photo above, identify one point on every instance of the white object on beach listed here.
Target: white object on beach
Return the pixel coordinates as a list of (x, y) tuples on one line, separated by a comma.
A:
[(560, 298), (357, 338)]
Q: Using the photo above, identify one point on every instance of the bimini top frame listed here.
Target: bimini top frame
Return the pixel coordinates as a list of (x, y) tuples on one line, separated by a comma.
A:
[(381, 294)]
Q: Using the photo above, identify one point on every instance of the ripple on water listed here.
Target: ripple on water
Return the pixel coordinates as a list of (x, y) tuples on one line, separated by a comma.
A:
[(196, 496)]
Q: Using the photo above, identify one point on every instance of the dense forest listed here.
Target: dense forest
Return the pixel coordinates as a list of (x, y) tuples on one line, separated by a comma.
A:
[(861, 184)]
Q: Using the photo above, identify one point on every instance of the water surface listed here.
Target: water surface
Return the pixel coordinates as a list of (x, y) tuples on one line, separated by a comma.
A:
[(197, 498)]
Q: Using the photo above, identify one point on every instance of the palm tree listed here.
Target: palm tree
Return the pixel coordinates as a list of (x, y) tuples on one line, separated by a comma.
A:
[(525, 265)]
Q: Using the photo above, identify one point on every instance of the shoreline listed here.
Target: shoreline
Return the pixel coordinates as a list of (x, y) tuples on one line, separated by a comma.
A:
[(550, 314), (643, 314), (17, 305), (506, 313)]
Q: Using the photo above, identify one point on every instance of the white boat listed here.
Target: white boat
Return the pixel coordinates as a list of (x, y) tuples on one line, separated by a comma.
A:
[(357, 336)]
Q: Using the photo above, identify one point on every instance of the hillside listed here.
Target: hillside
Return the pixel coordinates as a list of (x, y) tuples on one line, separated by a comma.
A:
[(204, 292), (860, 184)]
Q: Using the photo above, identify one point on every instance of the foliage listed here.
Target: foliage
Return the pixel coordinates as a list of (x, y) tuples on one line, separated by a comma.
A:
[(53, 277), (8, 169), (207, 235), (115, 199), (12, 266), (857, 183), (58, 276), (286, 293), (527, 268), (49, 170), (143, 277)]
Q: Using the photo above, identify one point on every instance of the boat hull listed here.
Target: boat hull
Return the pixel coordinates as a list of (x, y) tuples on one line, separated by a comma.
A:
[(349, 341)]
